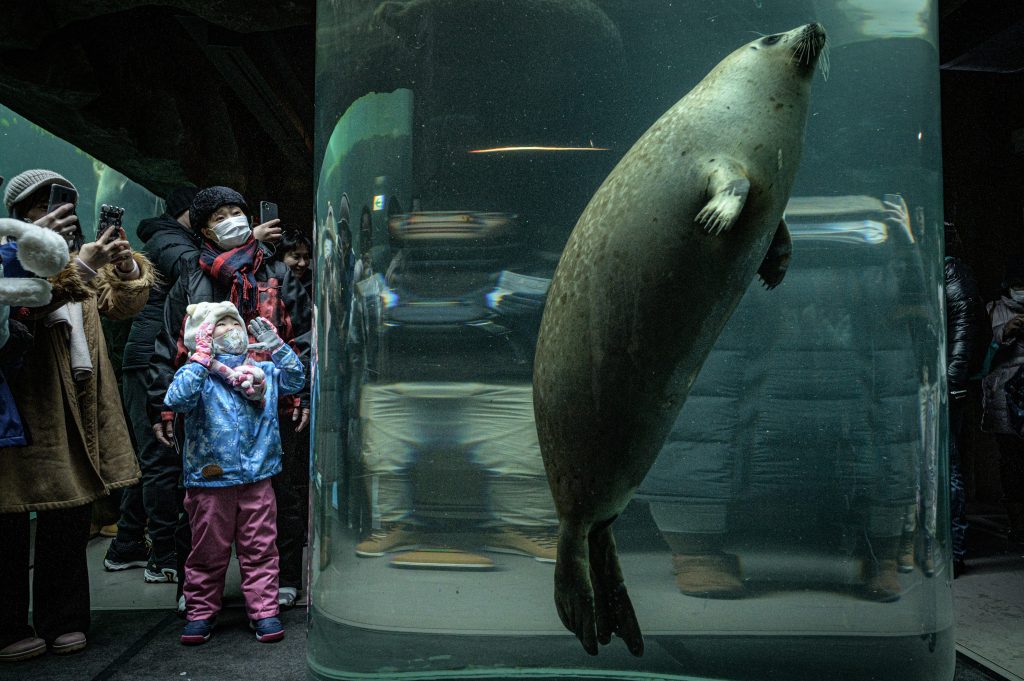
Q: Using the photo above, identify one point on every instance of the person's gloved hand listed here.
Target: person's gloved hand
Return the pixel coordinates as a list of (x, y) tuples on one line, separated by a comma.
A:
[(265, 334), (1014, 326), (204, 345)]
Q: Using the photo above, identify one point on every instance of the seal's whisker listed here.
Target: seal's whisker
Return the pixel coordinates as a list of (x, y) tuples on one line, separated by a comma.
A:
[(825, 63)]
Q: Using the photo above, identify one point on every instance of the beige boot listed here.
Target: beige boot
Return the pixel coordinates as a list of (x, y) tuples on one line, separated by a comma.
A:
[(710, 575), (881, 582)]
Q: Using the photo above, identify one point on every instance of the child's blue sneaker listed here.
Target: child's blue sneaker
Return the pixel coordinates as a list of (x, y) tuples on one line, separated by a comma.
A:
[(268, 629), (196, 632)]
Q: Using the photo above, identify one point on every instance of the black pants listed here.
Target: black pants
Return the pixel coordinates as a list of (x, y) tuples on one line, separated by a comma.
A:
[(156, 497), (291, 487), (60, 578), (1011, 467)]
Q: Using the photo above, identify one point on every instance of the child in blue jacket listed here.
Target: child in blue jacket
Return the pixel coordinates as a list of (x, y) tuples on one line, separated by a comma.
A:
[(232, 449)]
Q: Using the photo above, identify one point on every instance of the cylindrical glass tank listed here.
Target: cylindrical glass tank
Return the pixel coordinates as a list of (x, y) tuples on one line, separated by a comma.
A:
[(795, 524)]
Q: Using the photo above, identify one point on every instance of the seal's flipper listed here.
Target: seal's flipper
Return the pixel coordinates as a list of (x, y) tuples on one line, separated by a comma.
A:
[(612, 606), (776, 261), (728, 187), (574, 595)]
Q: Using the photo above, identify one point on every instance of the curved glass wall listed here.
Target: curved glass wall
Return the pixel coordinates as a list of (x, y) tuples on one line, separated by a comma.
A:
[(808, 462), (25, 145)]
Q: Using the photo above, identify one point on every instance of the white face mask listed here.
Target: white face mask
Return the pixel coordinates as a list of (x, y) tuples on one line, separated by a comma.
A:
[(232, 232), (233, 342), (1017, 294)]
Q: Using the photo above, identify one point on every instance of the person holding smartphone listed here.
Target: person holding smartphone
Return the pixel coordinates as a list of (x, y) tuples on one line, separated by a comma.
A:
[(79, 449)]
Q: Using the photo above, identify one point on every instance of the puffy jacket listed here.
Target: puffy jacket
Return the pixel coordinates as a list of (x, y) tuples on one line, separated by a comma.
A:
[(282, 301), (171, 247), (1009, 358), (240, 436), (966, 335)]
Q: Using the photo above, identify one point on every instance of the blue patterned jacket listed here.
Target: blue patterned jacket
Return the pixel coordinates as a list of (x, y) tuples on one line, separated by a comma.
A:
[(224, 429)]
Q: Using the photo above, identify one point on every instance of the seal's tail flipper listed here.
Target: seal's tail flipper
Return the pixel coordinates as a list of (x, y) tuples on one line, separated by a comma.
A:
[(574, 595), (776, 261), (613, 608)]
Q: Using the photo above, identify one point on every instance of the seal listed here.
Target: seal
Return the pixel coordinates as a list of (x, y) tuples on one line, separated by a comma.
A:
[(653, 269)]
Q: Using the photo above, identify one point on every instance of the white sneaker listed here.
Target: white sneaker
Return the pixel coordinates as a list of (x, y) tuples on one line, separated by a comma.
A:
[(286, 596), (181, 606)]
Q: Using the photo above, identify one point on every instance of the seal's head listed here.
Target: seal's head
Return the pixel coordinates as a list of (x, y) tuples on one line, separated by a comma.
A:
[(798, 50)]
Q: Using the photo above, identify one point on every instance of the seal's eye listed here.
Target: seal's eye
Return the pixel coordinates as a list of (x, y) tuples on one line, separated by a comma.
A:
[(772, 39)]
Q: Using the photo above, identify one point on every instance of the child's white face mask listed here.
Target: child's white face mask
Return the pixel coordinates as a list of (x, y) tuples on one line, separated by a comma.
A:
[(234, 341), (232, 232)]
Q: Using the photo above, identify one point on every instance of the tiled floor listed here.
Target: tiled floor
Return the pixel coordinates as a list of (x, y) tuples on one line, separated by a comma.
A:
[(989, 600)]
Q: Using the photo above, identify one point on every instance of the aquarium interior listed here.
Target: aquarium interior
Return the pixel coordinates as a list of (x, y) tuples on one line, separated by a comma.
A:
[(811, 444), (817, 570)]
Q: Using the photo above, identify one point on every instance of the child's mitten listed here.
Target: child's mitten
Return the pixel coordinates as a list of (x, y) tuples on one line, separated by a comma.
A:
[(265, 334), (204, 345)]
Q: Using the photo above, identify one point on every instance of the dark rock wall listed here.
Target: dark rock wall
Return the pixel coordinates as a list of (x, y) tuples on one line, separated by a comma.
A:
[(190, 91)]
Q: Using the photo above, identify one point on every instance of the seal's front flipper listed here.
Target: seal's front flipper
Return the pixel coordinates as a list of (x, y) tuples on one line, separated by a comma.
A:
[(728, 187), (612, 606), (776, 261), (574, 595)]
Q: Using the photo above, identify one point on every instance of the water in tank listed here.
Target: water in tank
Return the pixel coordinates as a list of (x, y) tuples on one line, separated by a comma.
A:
[(794, 524)]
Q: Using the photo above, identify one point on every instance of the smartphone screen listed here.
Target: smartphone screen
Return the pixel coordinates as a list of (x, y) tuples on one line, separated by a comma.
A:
[(268, 211)]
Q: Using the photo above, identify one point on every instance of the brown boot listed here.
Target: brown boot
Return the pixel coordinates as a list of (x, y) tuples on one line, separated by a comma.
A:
[(709, 575), (881, 582), (1015, 514)]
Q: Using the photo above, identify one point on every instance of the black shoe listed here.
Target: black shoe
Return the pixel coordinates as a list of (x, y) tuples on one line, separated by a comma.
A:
[(123, 555), (161, 568), (959, 567)]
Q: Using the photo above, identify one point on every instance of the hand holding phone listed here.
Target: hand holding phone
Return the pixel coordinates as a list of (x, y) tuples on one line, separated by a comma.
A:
[(60, 195), (269, 229)]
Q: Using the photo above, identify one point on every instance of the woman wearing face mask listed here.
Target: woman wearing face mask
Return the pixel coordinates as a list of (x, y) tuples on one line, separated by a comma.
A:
[(1007, 316), (232, 266)]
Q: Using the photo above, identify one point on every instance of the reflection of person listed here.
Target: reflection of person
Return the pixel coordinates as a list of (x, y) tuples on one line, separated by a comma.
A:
[(69, 402), (1007, 317), (966, 334), (478, 409), (232, 448)]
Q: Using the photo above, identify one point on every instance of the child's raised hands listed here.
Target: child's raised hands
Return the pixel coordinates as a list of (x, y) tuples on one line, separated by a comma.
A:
[(204, 345)]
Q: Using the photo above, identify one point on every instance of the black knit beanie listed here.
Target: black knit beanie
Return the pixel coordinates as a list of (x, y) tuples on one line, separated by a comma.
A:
[(208, 200), (179, 200)]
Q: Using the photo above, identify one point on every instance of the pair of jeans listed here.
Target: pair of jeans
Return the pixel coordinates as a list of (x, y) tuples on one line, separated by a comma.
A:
[(156, 497), (247, 516), (957, 491), (60, 575)]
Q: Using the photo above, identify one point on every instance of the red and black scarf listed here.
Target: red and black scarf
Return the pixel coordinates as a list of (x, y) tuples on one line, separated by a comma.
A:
[(235, 269)]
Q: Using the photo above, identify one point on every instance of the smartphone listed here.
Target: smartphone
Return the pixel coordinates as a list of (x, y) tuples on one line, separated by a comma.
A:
[(59, 195), (268, 211), (111, 216)]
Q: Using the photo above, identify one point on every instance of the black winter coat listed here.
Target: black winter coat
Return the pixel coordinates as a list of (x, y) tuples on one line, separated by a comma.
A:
[(282, 300), (967, 332), (170, 246)]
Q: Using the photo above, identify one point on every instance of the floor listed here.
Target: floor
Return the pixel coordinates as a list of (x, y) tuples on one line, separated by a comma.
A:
[(134, 634)]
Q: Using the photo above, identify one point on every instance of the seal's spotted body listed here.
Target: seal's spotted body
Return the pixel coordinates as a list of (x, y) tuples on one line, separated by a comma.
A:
[(655, 266)]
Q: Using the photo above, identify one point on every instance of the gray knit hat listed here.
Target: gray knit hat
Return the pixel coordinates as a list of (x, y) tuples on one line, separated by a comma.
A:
[(23, 185)]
